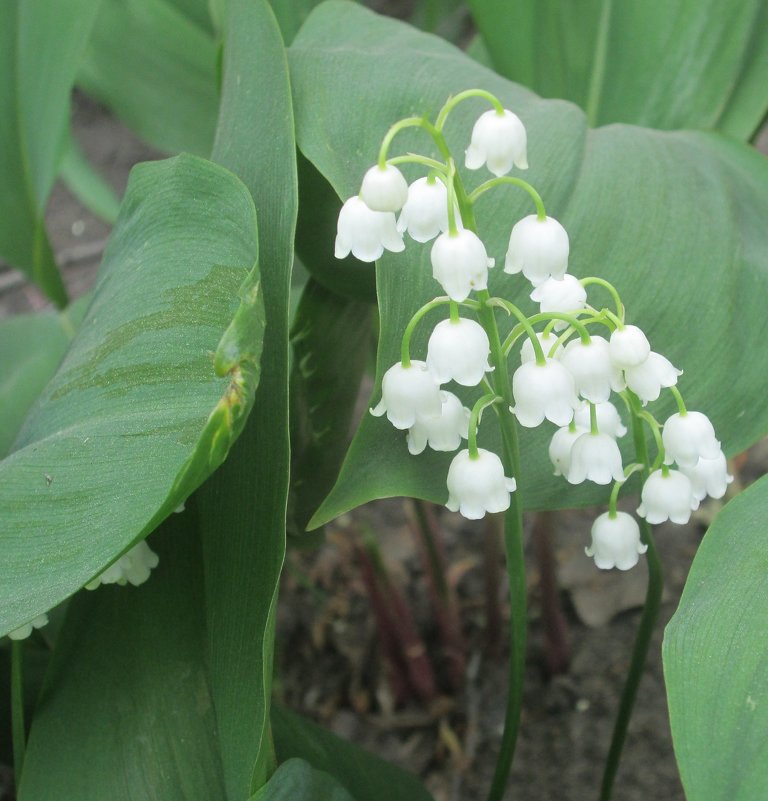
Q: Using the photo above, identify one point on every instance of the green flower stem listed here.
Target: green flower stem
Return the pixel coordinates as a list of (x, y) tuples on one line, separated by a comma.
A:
[(644, 633), (17, 707), (612, 289), (571, 319), (410, 122), (510, 308), (679, 400), (474, 421), (593, 418), (653, 424), (415, 158), (617, 485), (454, 101), (508, 179), (454, 308), (451, 186), (405, 348)]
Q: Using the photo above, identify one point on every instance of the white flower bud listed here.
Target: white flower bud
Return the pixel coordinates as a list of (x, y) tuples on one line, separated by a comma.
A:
[(425, 213), (608, 419), (708, 477), (498, 140), (408, 394), (595, 457), (460, 264), (477, 486), (561, 446), (384, 189), (366, 233), (527, 353), (647, 379), (458, 351), (538, 248), (442, 433), (629, 346), (541, 391), (22, 632), (667, 497), (564, 296), (592, 369), (133, 567), (688, 438), (615, 541)]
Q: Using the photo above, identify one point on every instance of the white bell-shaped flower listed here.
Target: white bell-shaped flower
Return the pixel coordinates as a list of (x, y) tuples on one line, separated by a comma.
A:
[(498, 140), (408, 394), (647, 379), (543, 391), (667, 497), (560, 448), (443, 433), (608, 419), (548, 341), (458, 351), (708, 477), (564, 296), (133, 567), (460, 264), (595, 457), (477, 486), (629, 347), (689, 437), (366, 233), (425, 213), (616, 541), (592, 369), (22, 632), (384, 189), (538, 249)]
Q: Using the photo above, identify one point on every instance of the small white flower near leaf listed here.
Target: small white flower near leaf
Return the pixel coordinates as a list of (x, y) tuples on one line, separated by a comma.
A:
[(544, 391), (616, 541), (667, 497), (560, 448), (425, 213), (384, 189), (133, 567), (647, 379), (592, 369), (595, 457), (366, 233), (477, 486), (498, 141), (608, 419), (458, 351), (565, 296), (443, 433), (408, 394), (629, 347), (539, 249), (460, 264), (548, 341), (22, 632), (709, 477), (689, 437)]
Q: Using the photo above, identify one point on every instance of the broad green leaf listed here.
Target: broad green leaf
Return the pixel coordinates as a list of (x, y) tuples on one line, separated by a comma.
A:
[(146, 403), (31, 348), (126, 712), (332, 340), (366, 776), (243, 506), (40, 46), (296, 780), (290, 15), (716, 658), (87, 185), (687, 64), (633, 201), (156, 69)]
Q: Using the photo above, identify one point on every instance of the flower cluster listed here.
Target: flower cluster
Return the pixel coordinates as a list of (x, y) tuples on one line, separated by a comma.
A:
[(567, 373)]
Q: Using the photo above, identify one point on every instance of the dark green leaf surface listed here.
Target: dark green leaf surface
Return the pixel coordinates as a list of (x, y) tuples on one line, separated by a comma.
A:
[(296, 780), (633, 201), (40, 47), (126, 713), (685, 64), (716, 658), (156, 69), (363, 774), (243, 506), (136, 415)]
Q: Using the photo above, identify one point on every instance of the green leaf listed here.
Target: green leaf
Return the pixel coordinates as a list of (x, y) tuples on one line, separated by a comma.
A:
[(156, 69), (87, 185), (290, 15), (136, 415), (687, 64), (363, 774), (633, 201), (296, 780), (126, 712), (243, 506), (716, 658), (332, 340), (40, 47)]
